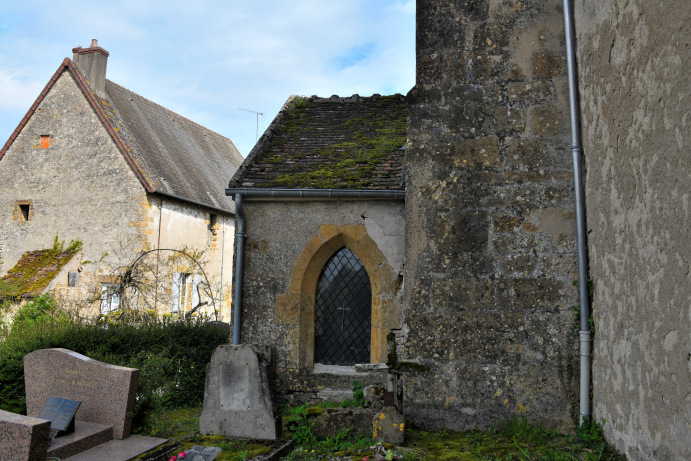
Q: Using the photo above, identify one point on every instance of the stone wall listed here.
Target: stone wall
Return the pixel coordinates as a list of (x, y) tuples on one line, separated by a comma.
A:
[(81, 187), (78, 188), (490, 223), (287, 245), (634, 59)]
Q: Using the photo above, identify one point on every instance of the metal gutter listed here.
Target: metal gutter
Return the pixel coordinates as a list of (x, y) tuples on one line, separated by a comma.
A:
[(577, 151), (177, 197), (254, 194), (239, 263)]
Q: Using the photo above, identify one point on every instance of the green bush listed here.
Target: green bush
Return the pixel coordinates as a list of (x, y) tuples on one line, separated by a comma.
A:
[(171, 355)]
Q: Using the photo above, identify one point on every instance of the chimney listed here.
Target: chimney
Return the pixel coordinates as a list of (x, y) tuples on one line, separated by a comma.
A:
[(92, 61)]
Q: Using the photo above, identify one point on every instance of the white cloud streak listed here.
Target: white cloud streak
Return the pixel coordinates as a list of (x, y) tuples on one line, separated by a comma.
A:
[(205, 59)]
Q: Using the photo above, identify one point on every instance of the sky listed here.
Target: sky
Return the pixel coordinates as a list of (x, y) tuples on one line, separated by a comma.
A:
[(207, 59)]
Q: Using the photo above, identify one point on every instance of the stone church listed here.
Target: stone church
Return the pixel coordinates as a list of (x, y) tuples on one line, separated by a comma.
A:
[(95, 162), (472, 274)]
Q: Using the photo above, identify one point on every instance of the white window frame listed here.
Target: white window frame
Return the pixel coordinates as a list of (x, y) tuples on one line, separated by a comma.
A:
[(110, 300)]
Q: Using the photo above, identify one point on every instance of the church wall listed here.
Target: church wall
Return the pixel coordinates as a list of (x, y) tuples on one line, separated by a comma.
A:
[(287, 245), (634, 59), (490, 222)]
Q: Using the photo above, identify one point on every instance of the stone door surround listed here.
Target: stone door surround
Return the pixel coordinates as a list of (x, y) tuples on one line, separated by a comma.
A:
[(296, 308)]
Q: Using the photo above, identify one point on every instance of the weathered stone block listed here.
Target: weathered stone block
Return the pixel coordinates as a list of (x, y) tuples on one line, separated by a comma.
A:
[(106, 391), (334, 420), (462, 230), (529, 92), (238, 397), (476, 153), (549, 120), (546, 65), (389, 426), (23, 438)]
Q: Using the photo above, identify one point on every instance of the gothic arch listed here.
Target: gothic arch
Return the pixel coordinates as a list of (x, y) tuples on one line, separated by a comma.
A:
[(296, 308)]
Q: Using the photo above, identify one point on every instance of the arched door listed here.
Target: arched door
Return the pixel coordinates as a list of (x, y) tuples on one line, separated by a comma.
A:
[(343, 311)]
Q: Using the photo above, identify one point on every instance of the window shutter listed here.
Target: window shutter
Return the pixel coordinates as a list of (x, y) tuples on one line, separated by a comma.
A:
[(195, 290), (175, 292)]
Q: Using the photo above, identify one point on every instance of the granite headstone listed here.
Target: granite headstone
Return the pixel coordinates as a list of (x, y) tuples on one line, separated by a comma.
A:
[(106, 392), (23, 438)]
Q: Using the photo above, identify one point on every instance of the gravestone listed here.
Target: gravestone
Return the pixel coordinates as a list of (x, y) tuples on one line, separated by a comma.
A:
[(61, 413), (23, 438), (106, 392), (389, 426), (238, 398)]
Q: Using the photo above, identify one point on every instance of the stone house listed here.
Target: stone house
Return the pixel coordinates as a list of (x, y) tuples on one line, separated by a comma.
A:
[(322, 201), (95, 162)]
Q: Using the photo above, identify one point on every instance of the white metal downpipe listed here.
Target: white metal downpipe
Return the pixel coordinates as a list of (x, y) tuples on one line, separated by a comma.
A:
[(576, 151)]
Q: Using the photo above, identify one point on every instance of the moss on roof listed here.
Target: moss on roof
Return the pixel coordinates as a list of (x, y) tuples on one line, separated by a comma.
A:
[(35, 270), (339, 143)]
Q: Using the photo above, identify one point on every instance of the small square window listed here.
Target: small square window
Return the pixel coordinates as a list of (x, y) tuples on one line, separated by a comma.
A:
[(45, 141), (25, 211), (72, 279)]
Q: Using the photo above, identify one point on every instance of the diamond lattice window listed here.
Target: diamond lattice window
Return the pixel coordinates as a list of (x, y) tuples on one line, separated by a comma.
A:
[(343, 312)]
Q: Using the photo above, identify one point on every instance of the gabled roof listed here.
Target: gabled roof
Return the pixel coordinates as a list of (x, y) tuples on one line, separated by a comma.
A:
[(169, 154), (330, 143)]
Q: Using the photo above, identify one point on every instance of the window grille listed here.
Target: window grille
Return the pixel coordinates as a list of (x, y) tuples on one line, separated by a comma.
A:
[(343, 312)]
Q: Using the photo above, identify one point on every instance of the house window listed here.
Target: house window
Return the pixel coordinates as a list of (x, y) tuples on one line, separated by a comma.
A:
[(72, 279), (23, 211), (45, 141), (343, 312), (110, 298), (184, 292)]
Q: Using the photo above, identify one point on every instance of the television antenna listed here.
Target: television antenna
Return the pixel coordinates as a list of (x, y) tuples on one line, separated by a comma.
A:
[(258, 114)]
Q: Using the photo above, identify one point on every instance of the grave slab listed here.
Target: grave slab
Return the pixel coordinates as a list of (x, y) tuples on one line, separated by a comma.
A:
[(389, 426), (85, 436), (119, 450), (23, 438), (106, 391), (238, 398)]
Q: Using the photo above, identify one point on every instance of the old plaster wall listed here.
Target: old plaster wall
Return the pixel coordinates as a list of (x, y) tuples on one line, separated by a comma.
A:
[(634, 59), (175, 224), (490, 218), (79, 187), (287, 244)]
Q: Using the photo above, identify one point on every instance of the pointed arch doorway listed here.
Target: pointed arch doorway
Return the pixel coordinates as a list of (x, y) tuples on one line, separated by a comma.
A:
[(343, 311)]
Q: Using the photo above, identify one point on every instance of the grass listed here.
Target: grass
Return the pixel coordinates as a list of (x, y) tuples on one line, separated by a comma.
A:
[(517, 439)]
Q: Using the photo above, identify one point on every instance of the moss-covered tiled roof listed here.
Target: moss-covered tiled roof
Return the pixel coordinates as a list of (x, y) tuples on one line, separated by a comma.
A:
[(330, 143), (35, 270)]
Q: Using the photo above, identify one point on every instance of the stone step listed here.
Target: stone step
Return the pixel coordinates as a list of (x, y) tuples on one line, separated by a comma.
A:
[(120, 450), (85, 436)]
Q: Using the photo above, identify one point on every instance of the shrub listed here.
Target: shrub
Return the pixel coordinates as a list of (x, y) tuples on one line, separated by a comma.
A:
[(171, 355)]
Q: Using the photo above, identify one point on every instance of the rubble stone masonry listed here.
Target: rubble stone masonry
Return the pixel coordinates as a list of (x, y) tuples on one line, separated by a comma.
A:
[(490, 222), (78, 187)]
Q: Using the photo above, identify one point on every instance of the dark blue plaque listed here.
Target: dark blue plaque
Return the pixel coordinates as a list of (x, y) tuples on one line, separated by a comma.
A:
[(61, 413)]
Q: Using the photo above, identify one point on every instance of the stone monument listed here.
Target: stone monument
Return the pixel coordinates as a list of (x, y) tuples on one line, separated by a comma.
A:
[(238, 399), (23, 437), (106, 392)]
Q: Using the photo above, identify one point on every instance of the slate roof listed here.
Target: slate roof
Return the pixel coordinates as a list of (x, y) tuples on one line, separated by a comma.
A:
[(330, 143), (169, 154)]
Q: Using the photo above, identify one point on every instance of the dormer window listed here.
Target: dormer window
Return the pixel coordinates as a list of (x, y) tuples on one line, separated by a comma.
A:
[(45, 141)]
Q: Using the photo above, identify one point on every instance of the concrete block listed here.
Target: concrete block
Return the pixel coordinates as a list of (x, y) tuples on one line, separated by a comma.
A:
[(239, 400), (23, 437)]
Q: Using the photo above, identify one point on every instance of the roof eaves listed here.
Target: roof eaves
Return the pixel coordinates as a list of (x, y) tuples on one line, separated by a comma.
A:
[(109, 127)]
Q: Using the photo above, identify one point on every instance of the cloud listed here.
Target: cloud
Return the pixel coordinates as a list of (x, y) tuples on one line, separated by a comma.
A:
[(207, 59)]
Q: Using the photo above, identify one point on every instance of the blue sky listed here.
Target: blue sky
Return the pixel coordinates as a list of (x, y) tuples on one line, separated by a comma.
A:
[(206, 59)]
